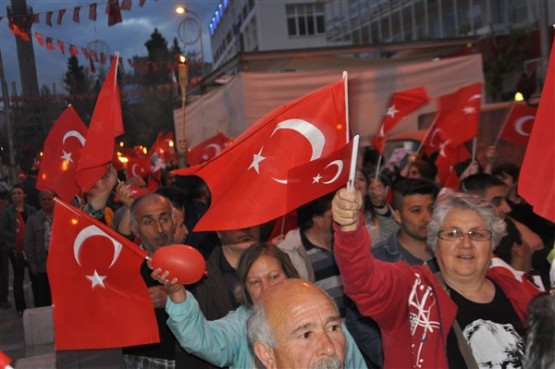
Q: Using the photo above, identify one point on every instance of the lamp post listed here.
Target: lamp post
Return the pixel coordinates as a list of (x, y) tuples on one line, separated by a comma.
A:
[(183, 72)]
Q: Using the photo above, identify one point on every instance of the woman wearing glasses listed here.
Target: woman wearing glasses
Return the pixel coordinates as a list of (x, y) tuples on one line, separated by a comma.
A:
[(465, 316)]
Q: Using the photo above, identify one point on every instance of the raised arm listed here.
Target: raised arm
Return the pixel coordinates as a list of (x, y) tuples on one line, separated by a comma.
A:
[(219, 342)]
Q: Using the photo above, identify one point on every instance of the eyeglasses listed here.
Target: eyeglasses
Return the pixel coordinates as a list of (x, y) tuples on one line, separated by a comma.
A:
[(456, 234)]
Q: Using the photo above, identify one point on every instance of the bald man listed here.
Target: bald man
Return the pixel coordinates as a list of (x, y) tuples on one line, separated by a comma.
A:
[(296, 325)]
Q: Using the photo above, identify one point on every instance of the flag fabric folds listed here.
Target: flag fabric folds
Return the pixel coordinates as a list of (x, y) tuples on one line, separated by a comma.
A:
[(62, 150), (248, 180), (458, 115), (318, 177), (106, 124), (137, 167), (519, 122), (99, 297), (208, 149), (402, 104), (536, 183), (161, 152)]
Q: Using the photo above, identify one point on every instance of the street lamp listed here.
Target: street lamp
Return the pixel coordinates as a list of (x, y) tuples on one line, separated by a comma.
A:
[(183, 72), (190, 29)]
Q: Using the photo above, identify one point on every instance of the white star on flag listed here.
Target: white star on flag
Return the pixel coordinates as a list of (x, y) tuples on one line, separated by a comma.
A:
[(317, 178), (469, 110), (66, 156), (256, 159), (391, 111), (96, 279)]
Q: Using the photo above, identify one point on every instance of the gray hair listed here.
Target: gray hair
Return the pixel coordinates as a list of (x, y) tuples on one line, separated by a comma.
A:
[(450, 200), (258, 329), (133, 210)]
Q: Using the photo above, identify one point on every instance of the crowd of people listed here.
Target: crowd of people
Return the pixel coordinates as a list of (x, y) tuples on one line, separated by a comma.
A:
[(398, 273)]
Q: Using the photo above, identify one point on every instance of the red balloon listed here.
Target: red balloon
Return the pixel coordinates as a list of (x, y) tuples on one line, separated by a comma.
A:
[(183, 262)]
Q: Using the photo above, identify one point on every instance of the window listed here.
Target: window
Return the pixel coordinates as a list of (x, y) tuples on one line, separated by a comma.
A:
[(305, 19)]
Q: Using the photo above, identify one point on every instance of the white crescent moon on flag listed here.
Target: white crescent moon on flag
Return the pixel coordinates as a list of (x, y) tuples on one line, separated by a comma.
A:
[(473, 97), (90, 231), (339, 165), (217, 148), (519, 125), (133, 173), (75, 134), (309, 131)]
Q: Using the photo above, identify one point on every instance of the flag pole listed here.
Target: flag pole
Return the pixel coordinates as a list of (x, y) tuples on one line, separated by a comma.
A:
[(346, 79), (378, 168), (474, 144), (503, 126), (353, 167)]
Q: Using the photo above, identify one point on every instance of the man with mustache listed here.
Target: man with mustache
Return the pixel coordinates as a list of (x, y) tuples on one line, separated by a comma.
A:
[(294, 325)]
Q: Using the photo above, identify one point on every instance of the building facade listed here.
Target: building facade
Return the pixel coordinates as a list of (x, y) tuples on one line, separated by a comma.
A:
[(264, 25)]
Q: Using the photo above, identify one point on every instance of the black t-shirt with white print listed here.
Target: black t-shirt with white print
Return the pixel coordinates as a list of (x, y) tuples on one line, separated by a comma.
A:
[(493, 332)]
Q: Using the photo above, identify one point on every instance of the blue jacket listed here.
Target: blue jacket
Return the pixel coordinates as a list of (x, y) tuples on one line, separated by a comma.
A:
[(224, 342)]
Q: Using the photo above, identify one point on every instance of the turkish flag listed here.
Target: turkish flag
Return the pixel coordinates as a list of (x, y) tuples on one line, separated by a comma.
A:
[(62, 151), (402, 104), (161, 151), (61, 46), (92, 12), (452, 181), (536, 183), (125, 5), (114, 13), (458, 114), (249, 177), (49, 44), (76, 12), (284, 224), (61, 13), (99, 299), (208, 149), (518, 124), (106, 124), (17, 31), (449, 156), (318, 177), (49, 18), (73, 50), (39, 38), (137, 167)]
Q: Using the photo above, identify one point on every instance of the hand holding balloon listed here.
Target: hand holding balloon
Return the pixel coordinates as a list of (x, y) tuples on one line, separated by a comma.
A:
[(176, 265)]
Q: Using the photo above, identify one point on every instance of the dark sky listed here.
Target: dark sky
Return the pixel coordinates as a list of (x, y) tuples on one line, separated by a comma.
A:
[(128, 37)]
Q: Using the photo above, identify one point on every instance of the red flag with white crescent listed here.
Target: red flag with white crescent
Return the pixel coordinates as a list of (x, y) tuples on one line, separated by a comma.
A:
[(319, 177), (518, 124), (253, 170), (62, 151), (106, 124), (208, 149), (402, 104), (100, 299), (536, 183), (458, 114)]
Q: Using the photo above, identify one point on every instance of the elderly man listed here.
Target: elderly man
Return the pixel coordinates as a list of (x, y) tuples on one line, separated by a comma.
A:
[(295, 324), (152, 221)]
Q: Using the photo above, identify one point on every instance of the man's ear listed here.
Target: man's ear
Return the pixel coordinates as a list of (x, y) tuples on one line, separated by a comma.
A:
[(397, 216), (265, 354)]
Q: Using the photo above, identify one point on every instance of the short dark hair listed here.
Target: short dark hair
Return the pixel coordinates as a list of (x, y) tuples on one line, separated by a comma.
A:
[(479, 183), (315, 207), (18, 185), (509, 169), (412, 186), (540, 323), (253, 253), (175, 194)]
